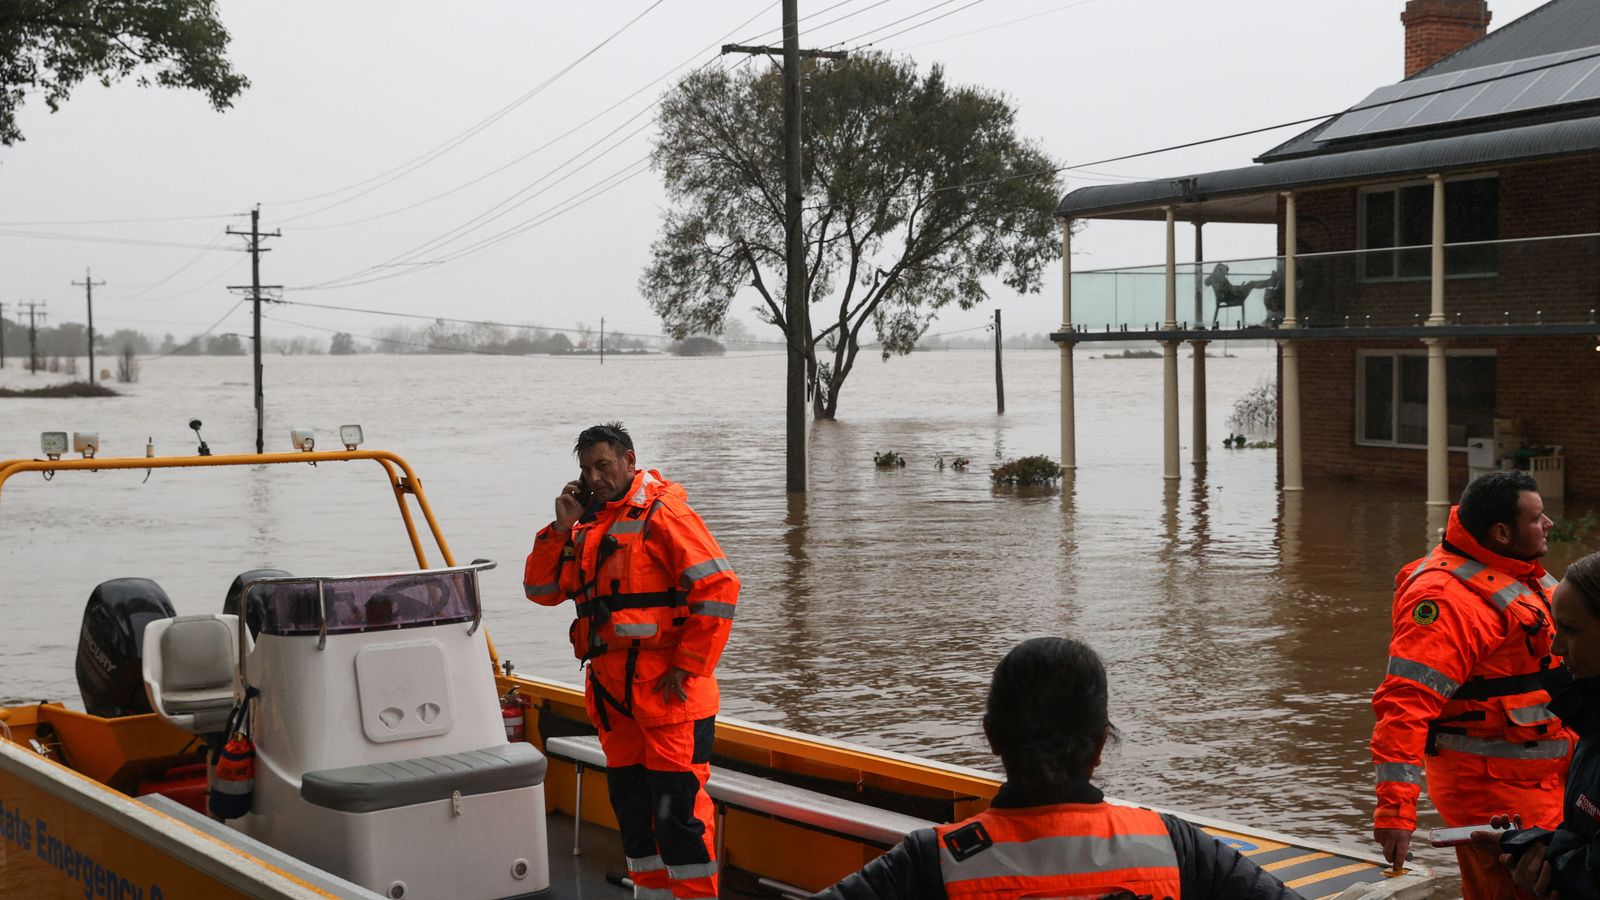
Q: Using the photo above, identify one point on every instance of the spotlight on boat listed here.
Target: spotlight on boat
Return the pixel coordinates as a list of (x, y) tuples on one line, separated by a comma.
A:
[(350, 436), (86, 442), (53, 443), (303, 439), (194, 425)]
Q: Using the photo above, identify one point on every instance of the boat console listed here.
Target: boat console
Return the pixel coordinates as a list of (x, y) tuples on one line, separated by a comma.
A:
[(380, 754)]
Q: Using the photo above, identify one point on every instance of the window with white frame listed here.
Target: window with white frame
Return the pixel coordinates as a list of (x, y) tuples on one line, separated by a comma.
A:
[(1402, 216), (1392, 397)]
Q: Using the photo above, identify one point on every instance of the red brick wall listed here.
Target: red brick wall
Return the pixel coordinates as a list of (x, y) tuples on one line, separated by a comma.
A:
[(1437, 28), (1550, 385), (1551, 281)]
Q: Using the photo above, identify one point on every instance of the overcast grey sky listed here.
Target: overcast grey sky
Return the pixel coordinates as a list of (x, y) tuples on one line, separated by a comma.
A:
[(343, 93)]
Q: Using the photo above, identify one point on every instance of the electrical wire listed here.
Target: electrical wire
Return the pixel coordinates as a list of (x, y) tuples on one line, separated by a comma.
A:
[(998, 25), (196, 339), (102, 239), (1228, 137), (920, 12), (65, 222), (418, 162)]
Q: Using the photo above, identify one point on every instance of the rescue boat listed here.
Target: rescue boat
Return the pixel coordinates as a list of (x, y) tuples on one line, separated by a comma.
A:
[(390, 752)]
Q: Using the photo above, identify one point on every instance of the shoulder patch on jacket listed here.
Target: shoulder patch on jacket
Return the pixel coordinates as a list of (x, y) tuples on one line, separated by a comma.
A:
[(968, 841), (1425, 612)]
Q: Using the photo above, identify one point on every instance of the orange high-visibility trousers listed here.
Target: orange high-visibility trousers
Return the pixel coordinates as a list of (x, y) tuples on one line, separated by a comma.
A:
[(657, 777)]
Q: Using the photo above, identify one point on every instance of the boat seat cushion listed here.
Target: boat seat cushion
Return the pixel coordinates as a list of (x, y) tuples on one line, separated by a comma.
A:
[(774, 798), (197, 664), (406, 782)]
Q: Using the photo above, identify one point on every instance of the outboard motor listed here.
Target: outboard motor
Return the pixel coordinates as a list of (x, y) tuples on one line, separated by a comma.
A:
[(252, 609), (111, 645)]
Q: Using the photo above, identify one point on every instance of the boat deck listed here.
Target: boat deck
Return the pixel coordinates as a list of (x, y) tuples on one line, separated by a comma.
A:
[(1315, 874)]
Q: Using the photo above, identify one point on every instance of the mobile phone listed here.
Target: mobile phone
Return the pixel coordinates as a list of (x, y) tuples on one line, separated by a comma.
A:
[(1456, 837), (585, 493), (1519, 840)]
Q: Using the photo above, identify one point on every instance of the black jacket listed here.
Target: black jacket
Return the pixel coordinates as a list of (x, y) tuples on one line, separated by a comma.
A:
[(1207, 869), (1575, 849)]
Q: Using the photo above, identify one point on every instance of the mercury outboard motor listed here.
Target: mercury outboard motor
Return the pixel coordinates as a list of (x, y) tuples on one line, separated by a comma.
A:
[(253, 610), (111, 645)]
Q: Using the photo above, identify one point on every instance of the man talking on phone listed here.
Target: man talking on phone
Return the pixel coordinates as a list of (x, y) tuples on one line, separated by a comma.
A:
[(655, 599)]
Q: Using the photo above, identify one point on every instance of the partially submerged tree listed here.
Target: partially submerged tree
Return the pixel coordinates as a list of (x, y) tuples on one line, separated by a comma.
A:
[(48, 47), (916, 192)]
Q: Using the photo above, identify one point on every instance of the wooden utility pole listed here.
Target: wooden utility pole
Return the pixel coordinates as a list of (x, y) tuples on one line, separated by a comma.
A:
[(999, 380), (34, 314), (88, 284), (602, 340), (2, 335), (795, 312), (255, 288)]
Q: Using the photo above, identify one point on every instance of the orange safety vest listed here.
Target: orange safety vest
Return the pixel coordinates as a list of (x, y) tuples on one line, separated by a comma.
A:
[(1472, 640), (1078, 851), (653, 591)]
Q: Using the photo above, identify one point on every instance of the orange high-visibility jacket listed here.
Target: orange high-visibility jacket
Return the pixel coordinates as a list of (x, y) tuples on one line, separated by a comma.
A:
[(649, 578), (1462, 697), (1066, 850)]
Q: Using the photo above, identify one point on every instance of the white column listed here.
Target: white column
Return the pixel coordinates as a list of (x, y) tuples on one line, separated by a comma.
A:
[(1289, 416), (1069, 436), (1438, 410), (1172, 270), (1198, 453), (1290, 242), (1436, 315), (1169, 356)]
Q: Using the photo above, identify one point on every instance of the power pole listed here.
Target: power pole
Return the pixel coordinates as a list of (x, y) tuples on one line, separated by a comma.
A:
[(795, 312), (2, 335), (999, 380), (34, 314), (88, 294), (602, 340), (255, 287)]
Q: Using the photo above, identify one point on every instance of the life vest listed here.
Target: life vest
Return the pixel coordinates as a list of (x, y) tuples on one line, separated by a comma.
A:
[(626, 601), (1077, 851), (1500, 711)]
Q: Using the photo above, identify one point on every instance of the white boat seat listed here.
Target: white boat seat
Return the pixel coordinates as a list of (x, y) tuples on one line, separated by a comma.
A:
[(190, 670), (407, 782), (787, 802)]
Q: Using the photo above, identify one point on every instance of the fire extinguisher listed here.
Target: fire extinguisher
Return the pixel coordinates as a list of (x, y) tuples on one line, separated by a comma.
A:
[(513, 713)]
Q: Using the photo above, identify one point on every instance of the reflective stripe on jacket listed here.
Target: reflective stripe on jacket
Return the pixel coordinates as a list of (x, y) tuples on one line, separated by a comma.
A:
[(1461, 698), (648, 576), (1069, 850)]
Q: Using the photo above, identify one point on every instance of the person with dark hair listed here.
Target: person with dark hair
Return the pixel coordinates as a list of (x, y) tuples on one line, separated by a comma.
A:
[(1567, 863), (1463, 699), (655, 600), (1046, 719)]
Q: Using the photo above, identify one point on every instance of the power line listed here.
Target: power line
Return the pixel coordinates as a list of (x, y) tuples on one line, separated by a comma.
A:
[(101, 239), (1237, 134), (889, 25), (557, 139), (196, 339), (65, 222), (999, 24), (418, 162)]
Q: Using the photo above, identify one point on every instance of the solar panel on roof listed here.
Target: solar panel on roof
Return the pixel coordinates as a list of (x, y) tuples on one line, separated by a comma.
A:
[(1521, 85)]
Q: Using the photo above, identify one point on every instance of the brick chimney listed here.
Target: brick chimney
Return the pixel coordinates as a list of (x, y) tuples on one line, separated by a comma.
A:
[(1437, 28)]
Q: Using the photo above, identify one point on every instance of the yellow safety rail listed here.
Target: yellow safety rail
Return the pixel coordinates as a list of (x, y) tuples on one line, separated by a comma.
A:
[(402, 480)]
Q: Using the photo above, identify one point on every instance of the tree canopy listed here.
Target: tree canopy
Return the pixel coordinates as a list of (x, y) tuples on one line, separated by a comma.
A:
[(916, 193), (48, 47)]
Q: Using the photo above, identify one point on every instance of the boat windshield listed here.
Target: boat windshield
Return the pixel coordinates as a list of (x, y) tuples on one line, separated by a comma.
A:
[(300, 606)]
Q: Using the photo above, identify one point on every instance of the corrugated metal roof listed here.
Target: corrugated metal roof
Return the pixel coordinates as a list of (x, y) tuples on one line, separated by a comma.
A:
[(1554, 27), (1143, 199), (1557, 26)]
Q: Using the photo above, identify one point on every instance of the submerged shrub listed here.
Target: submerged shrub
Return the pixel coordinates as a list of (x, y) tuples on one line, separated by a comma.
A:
[(888, 459), (1027, 471)]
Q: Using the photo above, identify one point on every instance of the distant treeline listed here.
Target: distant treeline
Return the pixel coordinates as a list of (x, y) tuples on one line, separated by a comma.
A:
[(1035, 341)]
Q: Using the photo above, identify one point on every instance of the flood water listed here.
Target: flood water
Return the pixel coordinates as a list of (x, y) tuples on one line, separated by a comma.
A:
[(1244, 630)]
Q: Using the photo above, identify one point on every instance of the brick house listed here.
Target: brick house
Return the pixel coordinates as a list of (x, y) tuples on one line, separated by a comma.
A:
[(1437, 268)]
